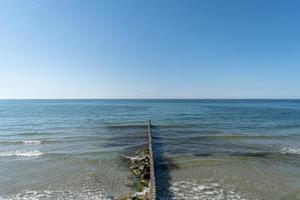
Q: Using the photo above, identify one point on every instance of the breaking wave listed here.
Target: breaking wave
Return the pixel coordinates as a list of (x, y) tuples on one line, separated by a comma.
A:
[(290, 150), (35, 153), (57, 194), (184, 190), (32, 142)]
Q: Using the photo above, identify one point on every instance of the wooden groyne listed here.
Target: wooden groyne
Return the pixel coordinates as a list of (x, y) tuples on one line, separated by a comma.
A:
[(152, 193), (142, 167)]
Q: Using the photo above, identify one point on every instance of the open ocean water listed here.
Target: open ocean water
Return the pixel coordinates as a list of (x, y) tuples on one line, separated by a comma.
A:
[(204, 149)]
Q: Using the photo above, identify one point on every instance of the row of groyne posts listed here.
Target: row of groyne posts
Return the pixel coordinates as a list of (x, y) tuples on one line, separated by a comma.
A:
[(152, 193), (142, 166)]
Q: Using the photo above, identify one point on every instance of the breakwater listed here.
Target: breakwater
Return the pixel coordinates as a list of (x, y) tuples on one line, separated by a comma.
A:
[(142, 167), (152, 193)]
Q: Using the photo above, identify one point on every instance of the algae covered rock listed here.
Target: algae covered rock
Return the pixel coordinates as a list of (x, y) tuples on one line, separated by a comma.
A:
[(140, 167)]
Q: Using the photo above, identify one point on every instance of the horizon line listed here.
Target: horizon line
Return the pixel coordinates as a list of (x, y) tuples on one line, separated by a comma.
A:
[(149, 98)]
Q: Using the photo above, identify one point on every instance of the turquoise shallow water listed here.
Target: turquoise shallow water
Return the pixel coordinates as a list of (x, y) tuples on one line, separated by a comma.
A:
[(205, 149)]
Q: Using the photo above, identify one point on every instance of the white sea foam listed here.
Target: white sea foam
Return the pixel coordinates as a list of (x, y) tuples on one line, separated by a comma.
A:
[(32, 142), (21, 153), (57, 194), (185, 190), (142, 193), (290, 150)]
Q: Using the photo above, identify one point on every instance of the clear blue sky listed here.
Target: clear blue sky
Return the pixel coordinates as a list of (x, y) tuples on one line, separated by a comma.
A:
[(149, 49)]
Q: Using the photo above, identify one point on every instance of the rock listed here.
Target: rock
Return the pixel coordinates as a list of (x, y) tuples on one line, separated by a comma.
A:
[(140, 167), (136, 172)]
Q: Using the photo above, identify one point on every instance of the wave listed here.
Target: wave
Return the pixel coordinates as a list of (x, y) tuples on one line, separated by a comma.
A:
[(125, 126), (205, 191), (57, 194), (185, 125), (32, 133), (290, 150), (218, 137), (32, 142), (26, 142), (24, 153), (251, 137)]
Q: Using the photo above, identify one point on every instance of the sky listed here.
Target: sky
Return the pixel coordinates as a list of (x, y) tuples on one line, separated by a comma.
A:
[(149, 49)]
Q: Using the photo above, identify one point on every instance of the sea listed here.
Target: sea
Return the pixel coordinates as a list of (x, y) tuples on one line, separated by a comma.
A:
[(203, 149)]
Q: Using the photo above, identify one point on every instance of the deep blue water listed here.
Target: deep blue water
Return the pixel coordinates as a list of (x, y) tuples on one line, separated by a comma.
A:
[(205, 149)]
